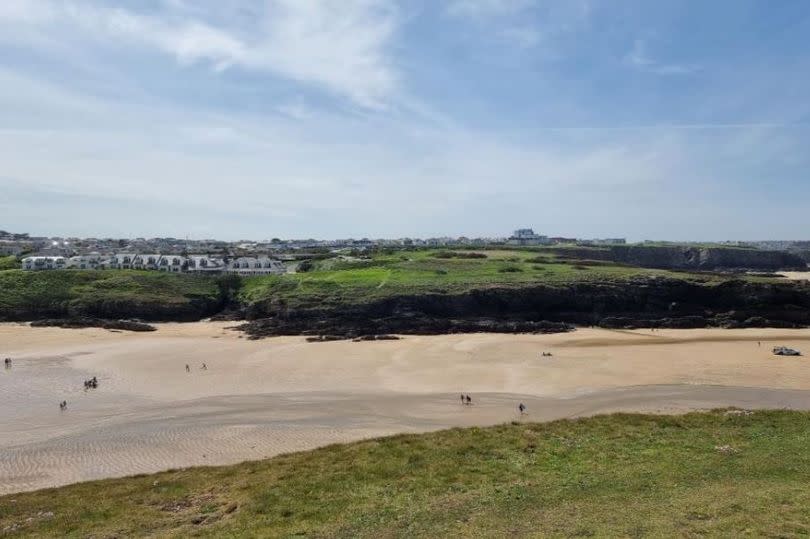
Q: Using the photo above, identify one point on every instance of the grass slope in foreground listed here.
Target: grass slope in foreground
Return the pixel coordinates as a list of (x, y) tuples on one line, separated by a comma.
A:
[(619, 475)]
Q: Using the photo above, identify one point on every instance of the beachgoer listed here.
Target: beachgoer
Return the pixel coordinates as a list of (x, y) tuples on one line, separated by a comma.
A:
[(204, 367), (468, 399), (462, 398), (522, 408), (188, 369)]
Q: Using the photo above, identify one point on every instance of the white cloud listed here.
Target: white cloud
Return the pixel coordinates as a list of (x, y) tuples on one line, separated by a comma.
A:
[(339, 46), (486, 8), (639, 58)]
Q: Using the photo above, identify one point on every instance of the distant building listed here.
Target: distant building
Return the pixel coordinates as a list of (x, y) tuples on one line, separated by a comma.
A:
[(526, 236), (561, 240), (605, 241), (205, 264), (37, 263), (119, 261), (172, 263), (263, 265), (146, 261), (85, 262)]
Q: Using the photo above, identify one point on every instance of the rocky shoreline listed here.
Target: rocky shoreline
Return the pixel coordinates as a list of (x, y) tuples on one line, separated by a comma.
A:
[(638, 303), (648, 302), (78, 323)]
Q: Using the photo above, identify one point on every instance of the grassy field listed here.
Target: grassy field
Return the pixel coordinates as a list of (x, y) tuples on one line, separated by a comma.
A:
[(703, 474), (60, 291), (8, 263), (432, 271)]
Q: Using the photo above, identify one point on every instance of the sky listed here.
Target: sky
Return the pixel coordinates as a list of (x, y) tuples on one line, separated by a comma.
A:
[(253, 119)]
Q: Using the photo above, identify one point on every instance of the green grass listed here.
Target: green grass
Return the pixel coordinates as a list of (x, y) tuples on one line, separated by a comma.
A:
[(419, 272), (75, 290), (8, 263), (609, 476)]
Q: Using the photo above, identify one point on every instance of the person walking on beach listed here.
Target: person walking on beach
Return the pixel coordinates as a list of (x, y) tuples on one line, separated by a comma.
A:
[(204, 367), (462, 398), (469, 400), (522, 408), (188, 369), (63, 405)]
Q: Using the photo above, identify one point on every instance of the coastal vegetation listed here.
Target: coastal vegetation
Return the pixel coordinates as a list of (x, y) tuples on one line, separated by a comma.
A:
[(9, 262), (527, 284), (724, 473), (361, 280), (28, 295)]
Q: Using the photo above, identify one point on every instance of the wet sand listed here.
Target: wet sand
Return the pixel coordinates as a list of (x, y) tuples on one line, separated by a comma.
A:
[(262, 398)]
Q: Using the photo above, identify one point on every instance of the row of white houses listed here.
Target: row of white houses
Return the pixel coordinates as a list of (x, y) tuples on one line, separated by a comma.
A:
[(261, 265)]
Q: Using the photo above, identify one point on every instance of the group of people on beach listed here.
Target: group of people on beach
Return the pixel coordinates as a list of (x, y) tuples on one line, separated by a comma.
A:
[(92, 383), (203, 367), (466, 400)]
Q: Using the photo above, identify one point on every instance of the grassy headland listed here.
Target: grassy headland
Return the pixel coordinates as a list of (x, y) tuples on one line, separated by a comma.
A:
[(109, 293), (334, 282), (575, 288), (725, 474)]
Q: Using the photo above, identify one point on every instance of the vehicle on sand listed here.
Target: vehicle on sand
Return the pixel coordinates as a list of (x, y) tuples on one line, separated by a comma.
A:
[(785, 351)]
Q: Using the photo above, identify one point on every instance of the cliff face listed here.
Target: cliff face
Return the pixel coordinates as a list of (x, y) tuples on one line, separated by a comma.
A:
[(695, 258), (650, 302), (152, 311)]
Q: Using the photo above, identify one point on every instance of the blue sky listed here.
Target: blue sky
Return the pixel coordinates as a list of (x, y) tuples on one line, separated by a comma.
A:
[(386, 118)]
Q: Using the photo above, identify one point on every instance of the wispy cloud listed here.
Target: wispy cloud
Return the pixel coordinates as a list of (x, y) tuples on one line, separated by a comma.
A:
[(523, 36), (477, 9), (339, 46), (639, 58)]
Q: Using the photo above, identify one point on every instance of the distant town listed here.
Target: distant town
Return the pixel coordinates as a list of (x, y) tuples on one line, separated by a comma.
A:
[(265, 257)]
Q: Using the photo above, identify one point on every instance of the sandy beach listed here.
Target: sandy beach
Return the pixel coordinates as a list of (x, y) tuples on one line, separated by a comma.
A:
[(261, 398)]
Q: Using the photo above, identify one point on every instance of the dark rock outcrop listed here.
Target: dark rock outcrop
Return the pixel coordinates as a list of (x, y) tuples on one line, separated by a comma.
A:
[(640, 302), (74, 323)]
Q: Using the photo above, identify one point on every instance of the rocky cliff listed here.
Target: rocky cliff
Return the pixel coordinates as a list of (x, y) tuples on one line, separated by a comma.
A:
[(647, 302)]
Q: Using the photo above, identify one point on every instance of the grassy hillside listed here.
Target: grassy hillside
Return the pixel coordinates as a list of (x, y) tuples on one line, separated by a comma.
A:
[(436, 271), (111, 292), (715, 474), (8, 263)]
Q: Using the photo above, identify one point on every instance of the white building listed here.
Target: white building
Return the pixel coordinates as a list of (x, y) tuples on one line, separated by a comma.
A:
[(36, 263), (526, 236), (91, 261), (205, 264), (172, 263), (146, 261), (263, 265), (119, 261)]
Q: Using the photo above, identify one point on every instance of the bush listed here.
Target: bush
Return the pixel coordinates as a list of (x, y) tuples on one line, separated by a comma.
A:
[(9, 262), (453, 254)]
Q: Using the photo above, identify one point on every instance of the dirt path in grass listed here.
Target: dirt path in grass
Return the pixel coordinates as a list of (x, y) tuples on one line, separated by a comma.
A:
[(261, 398)]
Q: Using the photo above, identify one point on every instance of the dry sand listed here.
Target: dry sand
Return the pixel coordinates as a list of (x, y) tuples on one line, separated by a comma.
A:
[(261, 398), (796, 275)]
